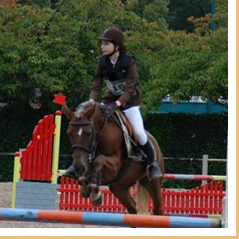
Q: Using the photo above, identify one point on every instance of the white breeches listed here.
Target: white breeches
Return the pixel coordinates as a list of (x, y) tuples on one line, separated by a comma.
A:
[(134, 116)]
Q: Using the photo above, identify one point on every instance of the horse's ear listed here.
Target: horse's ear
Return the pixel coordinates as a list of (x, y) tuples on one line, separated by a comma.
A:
[(69, 114), (90, 112)]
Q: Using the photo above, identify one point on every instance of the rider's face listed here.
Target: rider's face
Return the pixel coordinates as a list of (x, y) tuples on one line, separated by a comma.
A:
[(107, 47)]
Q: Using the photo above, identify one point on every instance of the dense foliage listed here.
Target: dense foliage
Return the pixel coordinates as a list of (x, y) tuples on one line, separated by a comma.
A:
[(180, 11), (53, 46), (192, 63)]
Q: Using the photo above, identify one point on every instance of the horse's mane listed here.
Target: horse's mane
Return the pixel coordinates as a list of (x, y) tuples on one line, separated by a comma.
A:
[(82, 107)]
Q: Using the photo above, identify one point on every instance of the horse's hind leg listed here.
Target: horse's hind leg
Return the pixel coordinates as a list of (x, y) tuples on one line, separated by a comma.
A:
[(121, 191), (154, 189)]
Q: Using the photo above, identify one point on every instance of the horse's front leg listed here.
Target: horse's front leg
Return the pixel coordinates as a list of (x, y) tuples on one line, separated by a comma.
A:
[(94, 188), (110, 166), (84, 189)]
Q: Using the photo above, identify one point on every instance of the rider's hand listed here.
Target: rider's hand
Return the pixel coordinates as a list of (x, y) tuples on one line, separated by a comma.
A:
[(118, 104), (110, 108)]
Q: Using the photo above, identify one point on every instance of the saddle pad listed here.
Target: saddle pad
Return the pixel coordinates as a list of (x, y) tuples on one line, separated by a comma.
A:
[(129, 138), (125, 134)]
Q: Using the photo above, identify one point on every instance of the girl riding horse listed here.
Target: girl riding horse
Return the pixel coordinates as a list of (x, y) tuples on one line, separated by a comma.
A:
[(119, 72), (90, 131)]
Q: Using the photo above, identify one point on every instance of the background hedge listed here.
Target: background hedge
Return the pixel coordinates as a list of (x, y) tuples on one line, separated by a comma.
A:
[(179, 135)]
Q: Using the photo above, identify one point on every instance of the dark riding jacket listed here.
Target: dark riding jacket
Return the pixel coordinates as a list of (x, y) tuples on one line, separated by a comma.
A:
[(121, 81)]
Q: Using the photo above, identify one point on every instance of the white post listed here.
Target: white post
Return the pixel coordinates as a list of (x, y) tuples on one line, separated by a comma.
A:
[(225, 219), (204, 167)]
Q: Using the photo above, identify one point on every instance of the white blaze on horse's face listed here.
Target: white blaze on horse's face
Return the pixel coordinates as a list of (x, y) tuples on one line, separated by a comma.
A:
[(80, 132)]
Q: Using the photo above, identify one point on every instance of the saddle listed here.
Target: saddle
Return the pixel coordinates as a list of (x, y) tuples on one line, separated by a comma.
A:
[(130, 138), (134, 153), (111, 111)]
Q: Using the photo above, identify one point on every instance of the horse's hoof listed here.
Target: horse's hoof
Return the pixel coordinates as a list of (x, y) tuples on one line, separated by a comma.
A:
[(84, 192), (96, 195), (82, 181), (93, 188), (96, 199)]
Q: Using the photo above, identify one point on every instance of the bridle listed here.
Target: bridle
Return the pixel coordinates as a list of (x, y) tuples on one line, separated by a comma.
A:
[(94, 141), (91, 149)]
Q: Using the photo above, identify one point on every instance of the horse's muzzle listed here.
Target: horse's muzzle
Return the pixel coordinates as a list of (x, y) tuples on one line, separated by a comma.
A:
[(80, 170), (75, 172)]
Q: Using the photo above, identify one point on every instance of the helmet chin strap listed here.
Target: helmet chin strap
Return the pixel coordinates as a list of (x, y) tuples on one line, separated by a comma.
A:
[(111, 54)]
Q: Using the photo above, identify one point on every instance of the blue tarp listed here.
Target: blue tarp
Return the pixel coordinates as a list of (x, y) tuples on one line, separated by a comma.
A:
[(191, 107)]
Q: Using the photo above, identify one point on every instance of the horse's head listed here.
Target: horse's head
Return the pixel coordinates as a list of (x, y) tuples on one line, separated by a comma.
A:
[(81, 133)]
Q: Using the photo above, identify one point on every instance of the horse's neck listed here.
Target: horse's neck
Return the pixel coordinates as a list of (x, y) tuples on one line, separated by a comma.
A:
[(98, 119)]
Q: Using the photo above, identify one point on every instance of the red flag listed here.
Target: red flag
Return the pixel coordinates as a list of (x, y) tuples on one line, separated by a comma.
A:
[(59, 99)]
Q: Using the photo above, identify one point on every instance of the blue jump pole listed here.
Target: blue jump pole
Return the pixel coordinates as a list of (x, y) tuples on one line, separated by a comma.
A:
[(107, 219)]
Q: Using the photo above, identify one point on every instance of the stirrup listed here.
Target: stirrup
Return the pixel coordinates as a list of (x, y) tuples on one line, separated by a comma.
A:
[(154, 171)]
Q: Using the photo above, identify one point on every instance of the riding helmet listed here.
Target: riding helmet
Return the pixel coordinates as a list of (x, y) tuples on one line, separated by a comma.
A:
[(113, 35)]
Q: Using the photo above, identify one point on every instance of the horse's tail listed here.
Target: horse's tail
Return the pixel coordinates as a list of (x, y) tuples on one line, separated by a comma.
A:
[(142, 199)]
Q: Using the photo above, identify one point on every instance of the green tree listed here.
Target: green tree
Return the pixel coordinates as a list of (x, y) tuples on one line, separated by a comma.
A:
[(56, 50), (194, 64), (35, 3), (151, 11), (180, 11)]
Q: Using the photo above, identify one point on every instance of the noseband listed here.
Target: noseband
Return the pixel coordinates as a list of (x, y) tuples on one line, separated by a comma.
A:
[(91, 149)]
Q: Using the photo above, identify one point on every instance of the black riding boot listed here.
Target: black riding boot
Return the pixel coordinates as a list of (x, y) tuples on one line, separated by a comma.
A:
[(153, 169)]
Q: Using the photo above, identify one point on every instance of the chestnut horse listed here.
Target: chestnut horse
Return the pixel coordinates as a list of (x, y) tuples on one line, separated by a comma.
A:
[(100, 158)]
